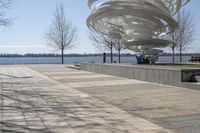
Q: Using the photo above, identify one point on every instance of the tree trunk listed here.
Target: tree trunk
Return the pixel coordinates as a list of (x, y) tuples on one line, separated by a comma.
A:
[(181, 53), (119, 55), (62, 55), (111, 53), (173, 54)]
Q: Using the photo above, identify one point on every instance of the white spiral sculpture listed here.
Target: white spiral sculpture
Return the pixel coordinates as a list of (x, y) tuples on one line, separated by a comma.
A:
[(137, 23)]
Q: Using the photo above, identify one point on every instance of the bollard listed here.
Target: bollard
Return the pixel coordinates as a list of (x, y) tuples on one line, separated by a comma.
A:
[(104, 57)]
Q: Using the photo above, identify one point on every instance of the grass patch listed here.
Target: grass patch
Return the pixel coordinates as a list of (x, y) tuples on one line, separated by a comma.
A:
[(181, 65), (191, 65)]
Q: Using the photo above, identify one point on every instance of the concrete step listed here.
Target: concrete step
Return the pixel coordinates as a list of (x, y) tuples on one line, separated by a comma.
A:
[(77, 65), (74, 67), (197, 78)]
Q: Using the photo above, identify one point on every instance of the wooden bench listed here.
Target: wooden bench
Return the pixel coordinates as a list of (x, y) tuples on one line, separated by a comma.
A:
[(195, 58)]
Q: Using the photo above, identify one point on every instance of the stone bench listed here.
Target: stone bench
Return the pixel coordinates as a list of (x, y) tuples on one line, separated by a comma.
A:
[(195, 58)]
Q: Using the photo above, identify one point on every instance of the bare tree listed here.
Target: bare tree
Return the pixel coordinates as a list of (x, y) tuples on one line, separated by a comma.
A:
[(61, 35), (186, 31), (102, 42), (183, 36), (4, 20), (173, 38), (119, 47)]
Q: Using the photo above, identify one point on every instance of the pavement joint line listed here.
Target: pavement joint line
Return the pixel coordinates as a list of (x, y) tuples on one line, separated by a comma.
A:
[(81, 77), (104, 83)]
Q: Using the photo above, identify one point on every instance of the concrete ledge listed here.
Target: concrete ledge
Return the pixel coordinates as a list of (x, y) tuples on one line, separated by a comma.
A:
[(152, 73)]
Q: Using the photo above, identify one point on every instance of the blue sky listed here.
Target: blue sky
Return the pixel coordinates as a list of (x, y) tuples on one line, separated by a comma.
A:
[(33, 17)]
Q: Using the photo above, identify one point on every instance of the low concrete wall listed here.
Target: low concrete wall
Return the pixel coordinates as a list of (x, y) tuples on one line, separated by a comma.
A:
[(152, 73)]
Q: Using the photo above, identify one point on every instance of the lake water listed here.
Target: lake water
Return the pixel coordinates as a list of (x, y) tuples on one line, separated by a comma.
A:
[(72, 60)]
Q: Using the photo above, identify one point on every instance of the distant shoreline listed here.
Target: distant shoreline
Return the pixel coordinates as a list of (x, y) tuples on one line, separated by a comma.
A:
[(81, 55), (79, 58)]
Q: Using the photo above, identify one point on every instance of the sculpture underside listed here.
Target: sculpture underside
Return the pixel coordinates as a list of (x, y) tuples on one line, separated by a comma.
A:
[(137, 23)]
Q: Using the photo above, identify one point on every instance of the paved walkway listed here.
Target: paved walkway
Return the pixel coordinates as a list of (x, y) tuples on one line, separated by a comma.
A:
[(56, 99)]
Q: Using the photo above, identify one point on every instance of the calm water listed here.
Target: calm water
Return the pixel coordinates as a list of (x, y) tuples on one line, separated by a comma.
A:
[(72, 60)]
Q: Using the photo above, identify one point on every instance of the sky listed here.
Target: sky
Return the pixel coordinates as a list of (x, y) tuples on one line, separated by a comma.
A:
[(32, 18)]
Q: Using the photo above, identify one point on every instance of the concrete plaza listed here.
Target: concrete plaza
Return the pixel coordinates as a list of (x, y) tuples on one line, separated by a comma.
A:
[(57, 99)]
